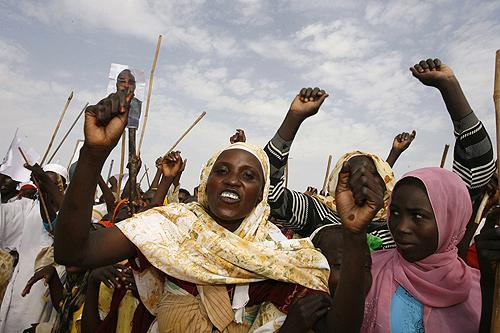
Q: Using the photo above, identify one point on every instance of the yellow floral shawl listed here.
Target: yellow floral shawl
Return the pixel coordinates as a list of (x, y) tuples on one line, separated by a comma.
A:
[(183, 241), (383, 168)]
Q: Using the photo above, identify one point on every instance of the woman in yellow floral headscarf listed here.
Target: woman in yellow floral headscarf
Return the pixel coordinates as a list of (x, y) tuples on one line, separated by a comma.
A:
[(225, 239)]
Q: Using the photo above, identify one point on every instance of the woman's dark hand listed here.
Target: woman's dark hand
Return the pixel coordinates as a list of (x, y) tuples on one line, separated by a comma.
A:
[(46, 273), (358, 197), (113, 276), (305, 312), (239, 136), (308, 102), (402, 141), (171, 164), (311, 191), (432, 72), (106, 121)]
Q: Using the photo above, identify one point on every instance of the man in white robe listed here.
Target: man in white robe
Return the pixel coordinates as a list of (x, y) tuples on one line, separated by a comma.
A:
[(22, 230)]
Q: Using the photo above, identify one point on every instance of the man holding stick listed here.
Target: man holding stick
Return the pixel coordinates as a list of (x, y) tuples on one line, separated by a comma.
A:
[(28, 220)]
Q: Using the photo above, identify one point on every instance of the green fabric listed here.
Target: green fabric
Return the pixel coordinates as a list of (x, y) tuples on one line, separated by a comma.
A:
[(374, 242)]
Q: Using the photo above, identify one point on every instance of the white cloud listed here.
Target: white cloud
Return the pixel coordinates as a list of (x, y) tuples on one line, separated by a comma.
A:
[(279, 49), (244, 61), (407, 14), (340, 39), (240, 86), (136, 18), (11, 53)]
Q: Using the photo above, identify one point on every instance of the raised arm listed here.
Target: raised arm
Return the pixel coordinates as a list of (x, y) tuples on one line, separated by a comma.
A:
[(399, 145), (473, 157), (170, 166), (157, 177), (177, 179), (304, 105), (109, 198), (357, 206), (294, 207), (74, 245), (52, 193), (434, 73)]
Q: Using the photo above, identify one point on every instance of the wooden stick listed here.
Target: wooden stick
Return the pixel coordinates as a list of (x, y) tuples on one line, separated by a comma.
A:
[(132, 168), (495, 318), (122, 162), (443, 157), (67, 133), (327, 173), (57, 128), (150, 87), (42, 200), (74, 152), (109, 171), (481, 208), (186, 132), (143, 175), (147, 176)]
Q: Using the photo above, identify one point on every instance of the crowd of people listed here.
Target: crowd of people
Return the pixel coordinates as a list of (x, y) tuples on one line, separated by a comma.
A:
[(245, 253)]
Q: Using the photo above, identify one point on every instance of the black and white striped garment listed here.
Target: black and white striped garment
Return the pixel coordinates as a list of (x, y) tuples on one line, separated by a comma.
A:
[(473, 157), (298, 211), (473, 162)]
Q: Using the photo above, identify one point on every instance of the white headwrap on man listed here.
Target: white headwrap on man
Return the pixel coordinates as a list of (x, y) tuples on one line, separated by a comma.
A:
[(57, 168)]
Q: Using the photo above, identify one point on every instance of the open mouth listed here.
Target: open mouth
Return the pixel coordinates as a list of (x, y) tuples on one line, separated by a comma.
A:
[(230, 196)]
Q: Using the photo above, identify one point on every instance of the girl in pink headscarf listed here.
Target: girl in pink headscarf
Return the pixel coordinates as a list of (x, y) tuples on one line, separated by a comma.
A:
[(422, 285)]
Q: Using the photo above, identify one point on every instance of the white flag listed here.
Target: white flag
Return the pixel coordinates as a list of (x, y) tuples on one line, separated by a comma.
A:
[(13, 162)]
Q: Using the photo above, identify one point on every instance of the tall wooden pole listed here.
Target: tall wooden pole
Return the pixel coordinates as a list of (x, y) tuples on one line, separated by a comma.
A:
[(443, 157), (132, 171), (57, 128), (122, 162), (150, 88), (143, 175), (110, 170), (495, 320), (74, 152), (325, 182), (67, 133), (147, 177), (186, 132)]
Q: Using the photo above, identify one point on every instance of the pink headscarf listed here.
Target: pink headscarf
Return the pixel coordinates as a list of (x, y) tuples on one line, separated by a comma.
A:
[(442, 282)]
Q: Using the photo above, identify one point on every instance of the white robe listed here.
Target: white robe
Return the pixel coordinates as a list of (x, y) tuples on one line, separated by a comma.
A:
[(11, 223), (21, 229)]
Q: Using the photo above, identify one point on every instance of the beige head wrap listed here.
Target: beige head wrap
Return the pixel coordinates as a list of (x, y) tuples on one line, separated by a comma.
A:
[(383, 169)]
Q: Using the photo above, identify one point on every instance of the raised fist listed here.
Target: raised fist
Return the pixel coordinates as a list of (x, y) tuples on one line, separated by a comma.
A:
[(358, 197), (432, 73), (308, 102)]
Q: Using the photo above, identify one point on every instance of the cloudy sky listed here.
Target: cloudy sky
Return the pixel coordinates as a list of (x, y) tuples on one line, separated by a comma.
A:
[(243, 62)]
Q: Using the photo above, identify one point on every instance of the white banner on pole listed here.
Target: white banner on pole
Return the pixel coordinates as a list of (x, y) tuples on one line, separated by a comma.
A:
[(13, 162)]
